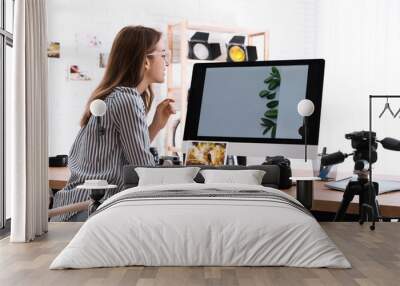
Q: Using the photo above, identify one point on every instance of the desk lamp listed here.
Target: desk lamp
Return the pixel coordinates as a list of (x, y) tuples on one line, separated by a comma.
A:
[(98, 108), (305, 108)]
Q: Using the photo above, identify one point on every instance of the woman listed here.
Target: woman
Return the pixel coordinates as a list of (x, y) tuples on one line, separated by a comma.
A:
[(137, 59)]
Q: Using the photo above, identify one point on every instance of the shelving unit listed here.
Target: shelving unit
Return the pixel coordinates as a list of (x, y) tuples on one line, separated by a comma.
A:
[(179, 59)]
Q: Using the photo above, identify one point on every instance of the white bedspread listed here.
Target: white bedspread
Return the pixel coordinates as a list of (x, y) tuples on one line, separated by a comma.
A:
[(200, 231)]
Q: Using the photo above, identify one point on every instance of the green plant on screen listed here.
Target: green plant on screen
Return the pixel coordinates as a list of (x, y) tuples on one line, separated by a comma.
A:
[(272, 84)]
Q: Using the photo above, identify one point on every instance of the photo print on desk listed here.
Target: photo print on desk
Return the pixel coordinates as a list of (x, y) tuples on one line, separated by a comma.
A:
[(206, 153)]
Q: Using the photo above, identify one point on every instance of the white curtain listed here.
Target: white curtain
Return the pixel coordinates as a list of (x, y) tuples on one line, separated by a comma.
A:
[(27, 118)]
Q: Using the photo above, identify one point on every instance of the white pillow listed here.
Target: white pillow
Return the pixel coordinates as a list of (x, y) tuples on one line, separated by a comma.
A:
[(163, 176), (249, 177)]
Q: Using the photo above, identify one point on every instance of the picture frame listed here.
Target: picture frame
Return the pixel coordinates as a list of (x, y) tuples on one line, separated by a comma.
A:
[(53, 50), (207, 153)]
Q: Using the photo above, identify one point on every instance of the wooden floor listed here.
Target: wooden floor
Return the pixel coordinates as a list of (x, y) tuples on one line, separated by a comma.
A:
[(375, 257)]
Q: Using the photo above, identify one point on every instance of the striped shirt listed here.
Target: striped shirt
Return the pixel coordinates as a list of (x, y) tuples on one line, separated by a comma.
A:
[(125, 141)]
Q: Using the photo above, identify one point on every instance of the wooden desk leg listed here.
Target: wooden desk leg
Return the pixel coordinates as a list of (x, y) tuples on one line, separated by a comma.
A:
[(96, 195)]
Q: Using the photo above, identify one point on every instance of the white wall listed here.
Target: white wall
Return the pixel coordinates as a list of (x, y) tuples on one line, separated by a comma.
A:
[(359, 39), (291, 24)]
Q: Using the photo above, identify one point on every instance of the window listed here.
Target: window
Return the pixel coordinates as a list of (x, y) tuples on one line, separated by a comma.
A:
[(6, 44)]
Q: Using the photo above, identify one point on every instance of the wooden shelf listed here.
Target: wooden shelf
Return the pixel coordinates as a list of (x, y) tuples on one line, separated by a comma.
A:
[(174, 89), (180, 92), (216, 29)]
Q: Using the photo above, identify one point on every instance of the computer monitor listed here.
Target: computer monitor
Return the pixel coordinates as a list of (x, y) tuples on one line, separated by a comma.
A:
[(253, 106)]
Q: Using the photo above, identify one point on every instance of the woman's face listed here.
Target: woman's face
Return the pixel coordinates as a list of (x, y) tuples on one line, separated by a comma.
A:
[(157, 63)]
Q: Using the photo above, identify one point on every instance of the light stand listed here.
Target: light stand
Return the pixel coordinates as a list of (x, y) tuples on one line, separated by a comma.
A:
[(305, 137), (305, 108), (98, 108), (304, 185)]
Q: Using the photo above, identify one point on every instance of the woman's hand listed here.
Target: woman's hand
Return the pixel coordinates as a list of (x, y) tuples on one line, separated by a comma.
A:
[(163, 111)]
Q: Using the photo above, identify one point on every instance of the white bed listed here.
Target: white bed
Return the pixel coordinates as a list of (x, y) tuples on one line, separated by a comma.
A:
[(268, 228)]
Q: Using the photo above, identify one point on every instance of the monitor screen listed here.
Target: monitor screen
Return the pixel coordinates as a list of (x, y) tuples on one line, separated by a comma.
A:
[(253, 102)]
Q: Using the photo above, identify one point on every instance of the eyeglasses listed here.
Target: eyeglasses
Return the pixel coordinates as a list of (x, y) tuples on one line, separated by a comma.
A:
[(164, 54)]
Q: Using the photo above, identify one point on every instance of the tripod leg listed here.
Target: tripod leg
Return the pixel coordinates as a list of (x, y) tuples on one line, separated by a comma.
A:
[(374, 204), (348, 196), (363, 215)]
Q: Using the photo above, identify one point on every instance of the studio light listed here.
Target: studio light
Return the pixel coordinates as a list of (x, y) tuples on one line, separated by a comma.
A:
[(237, 54), (201, 49), (237, 51)]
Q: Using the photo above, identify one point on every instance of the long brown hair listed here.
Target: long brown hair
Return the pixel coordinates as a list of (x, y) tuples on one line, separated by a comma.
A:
[(125, 66)]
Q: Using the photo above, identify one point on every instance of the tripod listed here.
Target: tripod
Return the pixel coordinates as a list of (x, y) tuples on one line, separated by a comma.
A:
[(367, 206)]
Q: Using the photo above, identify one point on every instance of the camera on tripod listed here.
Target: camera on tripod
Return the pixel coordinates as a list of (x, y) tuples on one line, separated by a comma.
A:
[(360, 142), (365, 154)]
